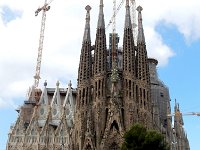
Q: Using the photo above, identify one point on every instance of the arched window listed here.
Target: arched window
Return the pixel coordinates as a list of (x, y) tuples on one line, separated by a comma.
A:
[(114, 124)]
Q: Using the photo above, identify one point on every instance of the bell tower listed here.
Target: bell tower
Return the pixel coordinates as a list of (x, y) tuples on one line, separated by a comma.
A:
[(84, 85)]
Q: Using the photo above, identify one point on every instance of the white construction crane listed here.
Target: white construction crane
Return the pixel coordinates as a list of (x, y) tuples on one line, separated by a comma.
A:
[(133, 15), (116, 10), (33, 91), (113, 49), (184, 114), (44, 8)]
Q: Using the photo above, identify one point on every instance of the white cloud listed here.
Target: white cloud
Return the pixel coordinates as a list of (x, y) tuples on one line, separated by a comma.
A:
[(63, 38), (183, 14), (157, 49)]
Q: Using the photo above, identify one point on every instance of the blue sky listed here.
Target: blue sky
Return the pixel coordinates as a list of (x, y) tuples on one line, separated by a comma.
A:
[(182, 77), (172, 36), (8, 14)]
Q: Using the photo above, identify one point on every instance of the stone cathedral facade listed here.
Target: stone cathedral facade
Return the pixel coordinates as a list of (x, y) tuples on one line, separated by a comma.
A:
[(113, 92)]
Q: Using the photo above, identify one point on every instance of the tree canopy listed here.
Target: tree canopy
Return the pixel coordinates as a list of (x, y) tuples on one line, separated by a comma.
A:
[(139, 138)]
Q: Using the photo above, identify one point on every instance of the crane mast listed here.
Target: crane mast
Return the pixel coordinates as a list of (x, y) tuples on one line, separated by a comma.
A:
[(116, 11), (114, 71), (44, 8), (114, 17), (113, 36)]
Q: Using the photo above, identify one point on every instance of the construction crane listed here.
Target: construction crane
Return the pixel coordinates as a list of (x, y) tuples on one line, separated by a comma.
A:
[(133, 15), (114, 70), (33, 94), (116, 10), (44, 8), (113, 49), (184, 114)]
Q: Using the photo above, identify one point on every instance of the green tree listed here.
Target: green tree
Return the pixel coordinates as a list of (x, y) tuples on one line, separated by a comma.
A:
[(139, 138)]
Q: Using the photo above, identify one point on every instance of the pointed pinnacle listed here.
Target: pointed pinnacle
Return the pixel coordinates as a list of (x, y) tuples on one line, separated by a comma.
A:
[(86, 36), (128, 16), (141, 38), (101, 22)]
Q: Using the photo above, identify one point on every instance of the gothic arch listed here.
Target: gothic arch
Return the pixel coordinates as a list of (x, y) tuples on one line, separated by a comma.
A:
[(114, 124)]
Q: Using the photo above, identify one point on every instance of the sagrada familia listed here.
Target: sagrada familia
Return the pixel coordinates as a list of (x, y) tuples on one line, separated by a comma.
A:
[(116, 88)]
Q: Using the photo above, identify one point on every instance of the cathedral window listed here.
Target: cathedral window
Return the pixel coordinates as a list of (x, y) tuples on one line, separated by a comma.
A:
[(161, 94), (87, 95), (114, 124), (43, 102), (137, 96), (55, 100), (99, 85), (140, 93), (32, 132), (17, 132), (83, 93), (129, 84)]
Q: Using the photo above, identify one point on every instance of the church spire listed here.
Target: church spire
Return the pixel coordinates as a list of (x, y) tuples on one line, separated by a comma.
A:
[(141, 38), (100, 56), (101, 22), (141, 57), (128, 44), (86, 58), (128, 16), (86, 36)]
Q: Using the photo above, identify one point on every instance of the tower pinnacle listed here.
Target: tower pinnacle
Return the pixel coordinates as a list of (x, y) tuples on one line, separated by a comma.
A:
[(86, 36), (140, 26), (128, 16), (101, 22)]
